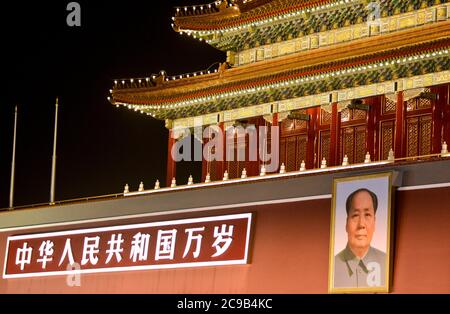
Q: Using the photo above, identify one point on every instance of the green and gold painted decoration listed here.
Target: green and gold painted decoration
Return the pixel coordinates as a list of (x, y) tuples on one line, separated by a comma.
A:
[(245, 52), (279, 89), (255, 33)]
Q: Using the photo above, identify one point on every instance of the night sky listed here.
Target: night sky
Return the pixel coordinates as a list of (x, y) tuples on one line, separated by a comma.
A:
[(100, 147)]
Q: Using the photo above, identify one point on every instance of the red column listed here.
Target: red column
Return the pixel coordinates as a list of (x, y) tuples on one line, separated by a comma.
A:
[(221, 163), (312, 130), (275, 123), (376, 117), (171, 164), (370, 126), (338, 139), (438, 108), (399, 126), (334, 135)]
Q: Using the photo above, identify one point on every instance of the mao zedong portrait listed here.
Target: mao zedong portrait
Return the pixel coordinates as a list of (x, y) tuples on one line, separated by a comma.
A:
[(360, 264)]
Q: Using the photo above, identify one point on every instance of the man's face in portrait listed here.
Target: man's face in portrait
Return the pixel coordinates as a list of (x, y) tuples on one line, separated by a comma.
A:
[(360, 222)]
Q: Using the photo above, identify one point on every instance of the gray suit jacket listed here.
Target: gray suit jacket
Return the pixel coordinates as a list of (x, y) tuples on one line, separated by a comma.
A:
[(351, 272)]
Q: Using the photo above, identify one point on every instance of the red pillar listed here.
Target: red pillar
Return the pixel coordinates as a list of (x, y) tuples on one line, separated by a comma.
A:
[(334, 135), (275, 124), (399, 126), (312, 130), (221, 163), (370, 126), (438, 111), (338, 140), (376, 117), (171, 164)]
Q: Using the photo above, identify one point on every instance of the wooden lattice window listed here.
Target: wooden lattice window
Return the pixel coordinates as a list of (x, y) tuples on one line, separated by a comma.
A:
[(388, 106), (418, 140), (291, 153), (324, 146), (426, 125), (301, 124), (287, 125), (360, 144), (353, 145), (325, 117), (412, 144), (302, 144), (358, 114), (348, 143), (419, 103), (232, 168), (353, 114), (386, 138), (345, 115), (290, 126)]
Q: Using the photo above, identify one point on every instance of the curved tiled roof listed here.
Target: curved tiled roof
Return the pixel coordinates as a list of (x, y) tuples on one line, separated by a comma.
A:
[(234, 15)]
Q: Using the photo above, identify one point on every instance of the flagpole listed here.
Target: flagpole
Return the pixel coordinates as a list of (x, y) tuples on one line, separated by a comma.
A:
[(52, 188), (13, 163)]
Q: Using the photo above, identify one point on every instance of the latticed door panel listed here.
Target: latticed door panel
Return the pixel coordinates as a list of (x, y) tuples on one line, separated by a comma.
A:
[(302, 145), (418, 135), (426, 124), (235, 166), (324, 148), (293, 142), (388, 106), (347, 146), (353, 143), (419, 125), (387, 130), (412, 137), (212, 165), (419, 103), (325, 117), (241, 161), (291, 153), (358, 114), (360, 144), (232, 168)]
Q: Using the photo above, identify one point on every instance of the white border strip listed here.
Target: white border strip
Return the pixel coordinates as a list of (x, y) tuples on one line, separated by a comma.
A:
[(130, 226), (128, 268), (424, 187)]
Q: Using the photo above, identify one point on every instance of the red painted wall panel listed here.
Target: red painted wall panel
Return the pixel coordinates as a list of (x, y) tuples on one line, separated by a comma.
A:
[(289, 254)]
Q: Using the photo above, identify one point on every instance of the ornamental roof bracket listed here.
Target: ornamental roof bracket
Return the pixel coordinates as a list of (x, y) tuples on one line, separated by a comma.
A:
[(161, 78), (223, 67)]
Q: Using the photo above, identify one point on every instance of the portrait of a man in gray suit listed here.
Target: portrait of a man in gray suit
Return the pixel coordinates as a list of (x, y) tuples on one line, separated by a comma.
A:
[(360, 264)]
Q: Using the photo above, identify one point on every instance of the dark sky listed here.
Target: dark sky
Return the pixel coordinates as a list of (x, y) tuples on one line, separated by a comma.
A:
[(100, 147)]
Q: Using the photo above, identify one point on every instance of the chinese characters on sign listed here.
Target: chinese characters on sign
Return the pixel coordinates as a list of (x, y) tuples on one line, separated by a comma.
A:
[(220, 240)]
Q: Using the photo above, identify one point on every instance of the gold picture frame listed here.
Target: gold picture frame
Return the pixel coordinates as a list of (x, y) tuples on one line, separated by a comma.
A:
[(361, 234)]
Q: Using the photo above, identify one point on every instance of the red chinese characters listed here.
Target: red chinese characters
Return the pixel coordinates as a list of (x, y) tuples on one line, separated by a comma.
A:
[(220, 240)]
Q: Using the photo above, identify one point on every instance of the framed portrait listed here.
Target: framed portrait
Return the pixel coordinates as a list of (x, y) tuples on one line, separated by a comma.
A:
[(360, 234)]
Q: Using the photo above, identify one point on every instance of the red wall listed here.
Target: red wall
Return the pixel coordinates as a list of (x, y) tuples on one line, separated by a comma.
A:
[(289, 254)]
